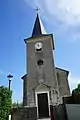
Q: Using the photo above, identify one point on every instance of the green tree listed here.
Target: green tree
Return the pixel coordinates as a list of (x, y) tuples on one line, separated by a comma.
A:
[(76, 95), (5, 102), (77, 89)]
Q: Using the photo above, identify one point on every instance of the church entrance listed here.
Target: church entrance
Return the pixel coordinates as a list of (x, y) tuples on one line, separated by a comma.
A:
[(43, 107)]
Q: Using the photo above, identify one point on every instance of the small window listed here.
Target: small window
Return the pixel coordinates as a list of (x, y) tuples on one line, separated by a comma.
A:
[(40, 62)]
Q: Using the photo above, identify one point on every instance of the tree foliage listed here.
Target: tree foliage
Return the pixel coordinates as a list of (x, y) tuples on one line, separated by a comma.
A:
[(77, 89), (76, 95), (5, 102)]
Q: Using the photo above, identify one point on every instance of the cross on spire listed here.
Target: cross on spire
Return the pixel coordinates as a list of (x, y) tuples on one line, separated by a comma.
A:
[(37, 9)]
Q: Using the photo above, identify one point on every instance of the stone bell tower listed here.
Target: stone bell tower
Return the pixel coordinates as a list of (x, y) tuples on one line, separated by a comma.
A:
[(40, 87)]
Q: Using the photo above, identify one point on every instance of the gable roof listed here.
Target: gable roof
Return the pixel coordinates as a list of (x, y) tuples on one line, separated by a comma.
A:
[(62, 70)]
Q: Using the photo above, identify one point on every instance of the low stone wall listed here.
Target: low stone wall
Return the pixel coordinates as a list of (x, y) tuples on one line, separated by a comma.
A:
[(59, 112), (24, 113)]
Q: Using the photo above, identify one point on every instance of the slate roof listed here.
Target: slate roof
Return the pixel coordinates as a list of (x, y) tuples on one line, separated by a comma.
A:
[(38, 27)]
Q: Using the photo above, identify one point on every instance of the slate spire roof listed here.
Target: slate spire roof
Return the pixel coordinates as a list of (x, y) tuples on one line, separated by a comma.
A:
[(38, 29)]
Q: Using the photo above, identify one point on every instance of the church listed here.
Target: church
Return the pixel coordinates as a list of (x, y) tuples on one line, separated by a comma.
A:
[(44, 84)]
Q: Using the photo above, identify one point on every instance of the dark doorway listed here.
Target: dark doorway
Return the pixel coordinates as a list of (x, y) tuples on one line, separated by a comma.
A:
[(43, 110)]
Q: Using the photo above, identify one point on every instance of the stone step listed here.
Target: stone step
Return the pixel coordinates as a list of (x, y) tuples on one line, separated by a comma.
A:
[(45, 119)]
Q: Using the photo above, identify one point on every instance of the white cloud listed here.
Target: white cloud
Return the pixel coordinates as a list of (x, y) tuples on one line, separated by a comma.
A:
[(66, 11), (73, 81)]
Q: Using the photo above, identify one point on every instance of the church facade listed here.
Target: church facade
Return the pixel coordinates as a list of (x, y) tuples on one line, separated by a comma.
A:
[(44, 84)]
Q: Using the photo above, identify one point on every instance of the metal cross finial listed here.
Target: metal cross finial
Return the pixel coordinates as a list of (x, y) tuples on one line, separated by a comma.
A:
[(37, 9)]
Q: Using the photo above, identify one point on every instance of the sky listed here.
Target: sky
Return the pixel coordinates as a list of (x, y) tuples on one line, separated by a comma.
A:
[(59, 17)]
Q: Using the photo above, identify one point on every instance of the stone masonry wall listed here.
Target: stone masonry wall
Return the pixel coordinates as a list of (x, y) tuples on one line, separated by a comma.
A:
[(24, 113), (59, 112)]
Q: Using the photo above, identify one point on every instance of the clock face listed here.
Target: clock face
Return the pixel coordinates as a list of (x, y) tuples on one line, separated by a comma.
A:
[(38, 45)]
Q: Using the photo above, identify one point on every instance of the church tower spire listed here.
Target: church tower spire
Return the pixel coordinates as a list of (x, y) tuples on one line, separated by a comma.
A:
[(38, 28)]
